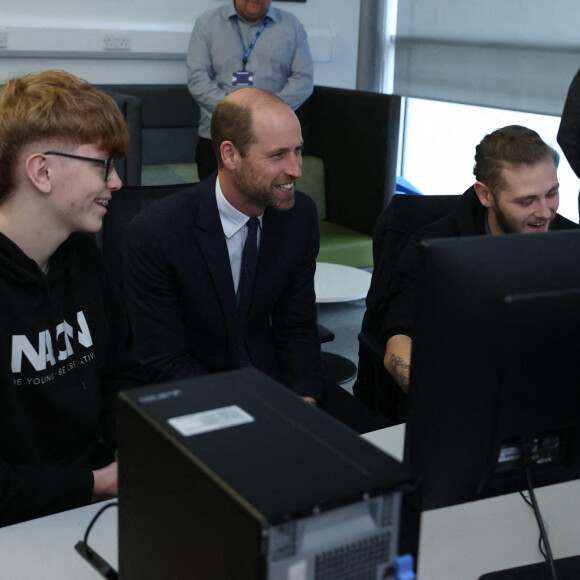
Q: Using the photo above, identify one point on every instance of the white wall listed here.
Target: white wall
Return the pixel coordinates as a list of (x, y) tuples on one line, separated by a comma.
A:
[(69, 36)]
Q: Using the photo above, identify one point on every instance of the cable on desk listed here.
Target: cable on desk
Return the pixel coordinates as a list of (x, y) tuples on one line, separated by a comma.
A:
[(540, 539), (551, 567), (92, 557)]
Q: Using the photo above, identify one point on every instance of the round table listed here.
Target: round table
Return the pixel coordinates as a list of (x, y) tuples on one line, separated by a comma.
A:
[(339, 283)]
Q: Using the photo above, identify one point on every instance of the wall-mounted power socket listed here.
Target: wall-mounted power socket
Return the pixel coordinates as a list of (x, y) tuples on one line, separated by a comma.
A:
[(3, 38), (116, 41)]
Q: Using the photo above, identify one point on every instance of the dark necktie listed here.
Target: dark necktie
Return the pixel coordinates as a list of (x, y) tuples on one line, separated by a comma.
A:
[(245, 287)]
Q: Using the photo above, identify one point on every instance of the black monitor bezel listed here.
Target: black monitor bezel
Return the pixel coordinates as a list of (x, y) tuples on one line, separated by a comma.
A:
[(470, 291)]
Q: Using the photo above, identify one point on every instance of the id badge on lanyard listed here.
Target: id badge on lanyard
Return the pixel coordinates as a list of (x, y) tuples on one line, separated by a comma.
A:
[(245, 78)]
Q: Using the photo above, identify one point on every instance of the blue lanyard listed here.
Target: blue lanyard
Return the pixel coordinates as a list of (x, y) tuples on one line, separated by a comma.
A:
[(248, 51)]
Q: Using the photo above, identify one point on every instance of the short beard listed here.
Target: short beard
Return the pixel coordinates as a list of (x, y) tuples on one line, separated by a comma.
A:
[(504, 224), (247, 182), (502, 221)]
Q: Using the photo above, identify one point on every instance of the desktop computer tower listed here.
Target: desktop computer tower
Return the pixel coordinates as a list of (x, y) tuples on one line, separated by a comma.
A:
[(232, 476)]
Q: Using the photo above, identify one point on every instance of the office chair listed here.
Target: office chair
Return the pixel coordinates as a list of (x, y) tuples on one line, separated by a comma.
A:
[(404, 215)]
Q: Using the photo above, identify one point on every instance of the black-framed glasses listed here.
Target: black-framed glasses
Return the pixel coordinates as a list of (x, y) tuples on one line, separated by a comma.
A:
[(107, 163)]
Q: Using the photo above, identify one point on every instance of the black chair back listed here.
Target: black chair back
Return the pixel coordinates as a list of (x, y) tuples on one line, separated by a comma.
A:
[(125, 205), (404, 215)]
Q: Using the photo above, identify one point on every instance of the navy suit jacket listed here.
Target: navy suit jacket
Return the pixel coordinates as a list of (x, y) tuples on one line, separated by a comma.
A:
[(181, 298)]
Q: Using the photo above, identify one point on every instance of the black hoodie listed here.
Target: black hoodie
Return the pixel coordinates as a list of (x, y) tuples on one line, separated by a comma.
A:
[(63, 355)]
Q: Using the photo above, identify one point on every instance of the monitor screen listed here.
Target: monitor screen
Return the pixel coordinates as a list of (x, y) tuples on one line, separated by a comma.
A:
[(496, 366)]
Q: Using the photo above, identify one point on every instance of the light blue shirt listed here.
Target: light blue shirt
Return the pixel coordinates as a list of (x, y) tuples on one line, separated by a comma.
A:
[(281, 59), (234, 226)]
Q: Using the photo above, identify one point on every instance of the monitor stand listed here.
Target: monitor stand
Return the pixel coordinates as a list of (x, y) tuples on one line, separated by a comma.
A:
[(566, 568)]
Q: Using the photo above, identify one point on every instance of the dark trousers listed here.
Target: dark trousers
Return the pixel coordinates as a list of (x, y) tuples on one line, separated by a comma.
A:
[(205, 158)]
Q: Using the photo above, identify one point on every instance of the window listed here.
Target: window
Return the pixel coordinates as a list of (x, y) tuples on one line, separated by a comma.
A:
[(439, 144)]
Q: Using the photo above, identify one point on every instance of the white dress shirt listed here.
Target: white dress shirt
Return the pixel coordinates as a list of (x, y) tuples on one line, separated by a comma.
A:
[(235, 230)]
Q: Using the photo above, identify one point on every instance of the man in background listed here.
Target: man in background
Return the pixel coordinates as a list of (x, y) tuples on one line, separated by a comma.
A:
[(516, 191), (243, 44)]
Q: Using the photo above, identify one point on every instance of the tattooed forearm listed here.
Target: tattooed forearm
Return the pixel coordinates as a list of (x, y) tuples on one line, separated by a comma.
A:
[(400, 371), (398, 359)]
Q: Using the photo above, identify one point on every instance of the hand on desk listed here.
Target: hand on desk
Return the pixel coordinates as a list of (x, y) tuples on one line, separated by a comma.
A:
[(309, 400), (106, 482)]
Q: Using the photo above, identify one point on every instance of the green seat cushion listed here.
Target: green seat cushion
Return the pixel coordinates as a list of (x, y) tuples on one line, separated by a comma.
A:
[(340, 245), (169, 173), (312, 182)]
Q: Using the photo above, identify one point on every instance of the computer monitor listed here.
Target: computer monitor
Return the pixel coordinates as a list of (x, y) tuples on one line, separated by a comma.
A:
[(496, 366)]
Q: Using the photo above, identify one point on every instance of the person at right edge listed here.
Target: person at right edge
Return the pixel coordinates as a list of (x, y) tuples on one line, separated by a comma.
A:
[(569, 131)]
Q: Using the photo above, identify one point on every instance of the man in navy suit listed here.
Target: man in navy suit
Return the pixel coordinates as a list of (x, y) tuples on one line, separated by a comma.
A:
[(183, 261)]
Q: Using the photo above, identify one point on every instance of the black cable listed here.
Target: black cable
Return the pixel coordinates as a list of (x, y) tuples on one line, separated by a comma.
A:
[(540, 539), (543, 534), (83, 548), (94, 521)]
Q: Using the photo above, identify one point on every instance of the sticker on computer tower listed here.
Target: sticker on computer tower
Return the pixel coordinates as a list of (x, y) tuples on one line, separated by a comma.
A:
[(205, 421), (298, 571)]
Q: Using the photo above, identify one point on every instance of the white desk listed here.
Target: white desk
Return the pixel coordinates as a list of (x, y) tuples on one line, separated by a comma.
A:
[(338, 283), (44, 548), (457, 543), (465, 541)]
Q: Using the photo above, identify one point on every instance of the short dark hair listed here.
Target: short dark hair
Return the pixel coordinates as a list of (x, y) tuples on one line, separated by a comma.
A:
[(232, 119), (512, 144), (231, 122), (59, 107)]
